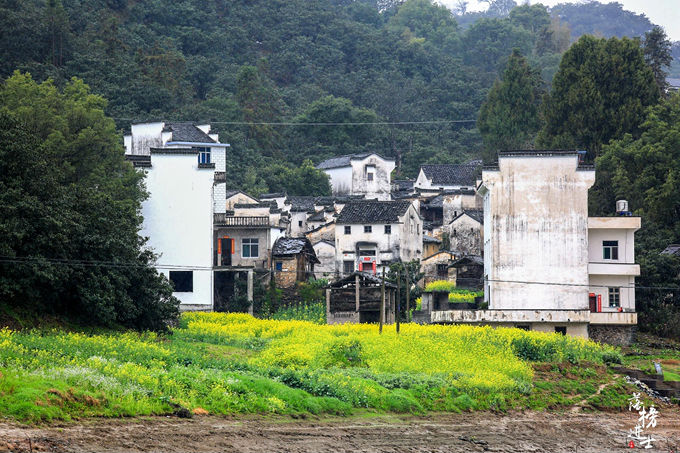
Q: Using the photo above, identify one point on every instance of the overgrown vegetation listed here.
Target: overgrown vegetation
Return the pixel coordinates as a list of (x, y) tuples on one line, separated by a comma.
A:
[(455, 294), (234, 363)]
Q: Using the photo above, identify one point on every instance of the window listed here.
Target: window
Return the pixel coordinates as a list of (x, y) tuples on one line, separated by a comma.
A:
[(610, 250), (347, 267), (300, 223), (526, 327), (250, 248), (279, 266), (455, 233), (369, 171), (561, 330), (369, 176), (614, 297), (348, 229), (368, 229), (388, 229), (442, 270), (203, 155), (182, 281)]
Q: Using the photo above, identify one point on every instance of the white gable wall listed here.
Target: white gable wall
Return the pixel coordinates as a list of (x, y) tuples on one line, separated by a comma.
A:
[(178, 220)]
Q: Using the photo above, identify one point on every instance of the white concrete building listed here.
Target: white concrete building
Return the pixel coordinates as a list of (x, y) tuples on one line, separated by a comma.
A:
[(367, 174), (370, 235), (178, 220), (185, 166)]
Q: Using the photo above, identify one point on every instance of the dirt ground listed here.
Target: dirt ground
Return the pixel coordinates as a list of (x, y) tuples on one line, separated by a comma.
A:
[(477, 431)]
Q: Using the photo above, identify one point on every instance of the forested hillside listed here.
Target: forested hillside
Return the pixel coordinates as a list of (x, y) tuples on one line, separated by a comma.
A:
[(290, 61)]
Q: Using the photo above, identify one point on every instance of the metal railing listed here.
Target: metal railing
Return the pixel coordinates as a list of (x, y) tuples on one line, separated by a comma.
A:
[(221, 219)]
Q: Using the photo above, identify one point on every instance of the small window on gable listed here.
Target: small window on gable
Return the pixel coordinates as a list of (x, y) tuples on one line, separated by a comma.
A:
[(388, 229), (300, 223), (203, 155), (368, 229), (348, 229), (182, 281)]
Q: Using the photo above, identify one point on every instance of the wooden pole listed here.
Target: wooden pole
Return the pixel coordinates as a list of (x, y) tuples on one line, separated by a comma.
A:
[(382, 302), (408, 296), (398, 296), (357, 289)]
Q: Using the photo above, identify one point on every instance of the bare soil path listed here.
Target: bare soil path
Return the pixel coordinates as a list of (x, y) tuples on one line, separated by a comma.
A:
[(467, 432)]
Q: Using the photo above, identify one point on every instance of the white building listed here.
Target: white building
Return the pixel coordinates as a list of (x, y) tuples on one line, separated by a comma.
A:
[(367, 174), (448, 176), (183, 165), (370, 235), (547, 265)]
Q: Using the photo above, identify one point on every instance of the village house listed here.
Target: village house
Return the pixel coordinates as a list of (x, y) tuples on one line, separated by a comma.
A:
[(325, 253), (367, 174), (184, 166), (294, 260), (369, 235), (547, 265), (448, 176), (233, 197), (465, 232), (436, 267)]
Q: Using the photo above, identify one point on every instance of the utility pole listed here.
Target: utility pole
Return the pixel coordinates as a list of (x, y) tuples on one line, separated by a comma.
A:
[(398, 295), (382, 302), (408, 295)]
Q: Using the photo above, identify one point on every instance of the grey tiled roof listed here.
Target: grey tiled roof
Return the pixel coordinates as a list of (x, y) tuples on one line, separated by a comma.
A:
[(319, 216), (452, 174), (431, 240), (266, 196), (294, 246), (344, 161), (187, 132), (475, 214), (673, 249), (368, 212), (301, 204)]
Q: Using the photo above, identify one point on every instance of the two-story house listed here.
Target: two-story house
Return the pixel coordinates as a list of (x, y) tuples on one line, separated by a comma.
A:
[(369, 235), (367, 174), (448, 176)]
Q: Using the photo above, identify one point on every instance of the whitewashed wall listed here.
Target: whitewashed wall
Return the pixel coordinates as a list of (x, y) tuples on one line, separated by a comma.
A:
[(178, 218)]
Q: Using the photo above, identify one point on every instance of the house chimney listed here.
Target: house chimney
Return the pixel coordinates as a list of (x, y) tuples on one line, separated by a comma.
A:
[(622, 208)]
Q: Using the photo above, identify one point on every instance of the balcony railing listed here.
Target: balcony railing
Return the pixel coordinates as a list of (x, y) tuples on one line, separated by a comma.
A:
[(221, 219)]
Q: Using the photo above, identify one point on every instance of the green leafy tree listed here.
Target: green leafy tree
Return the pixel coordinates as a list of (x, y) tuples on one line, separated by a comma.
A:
[(70, 212), (509, 118), (657, 50), (599, 93)]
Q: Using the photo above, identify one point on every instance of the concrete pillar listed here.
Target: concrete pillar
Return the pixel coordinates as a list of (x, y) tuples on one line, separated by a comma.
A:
[(357, 290), (250, 292), (328, 306)]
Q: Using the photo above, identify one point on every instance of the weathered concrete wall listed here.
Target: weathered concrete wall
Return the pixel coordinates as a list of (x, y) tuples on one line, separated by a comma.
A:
[(325, 252), (381, 185), (428, 266), (536, 230), (341, 180), (298, 223), (145, 136), (454, 204), (465, 235), (612, 334), (322, 233), (241, 198), (411, 237)]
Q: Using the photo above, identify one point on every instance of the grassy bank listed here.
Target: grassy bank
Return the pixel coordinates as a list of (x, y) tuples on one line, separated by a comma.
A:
[(233, 363)]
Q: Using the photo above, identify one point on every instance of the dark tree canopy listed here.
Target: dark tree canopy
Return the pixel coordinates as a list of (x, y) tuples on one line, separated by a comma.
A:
[(509, 118), (657, 50), (599, 93), (70, 212)]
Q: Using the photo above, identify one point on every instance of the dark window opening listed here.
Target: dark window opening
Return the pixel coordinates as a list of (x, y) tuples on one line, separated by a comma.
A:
[(203, 155), (182, 281), (388, 229), (348, 229), (279, 266), (368, 229), (561, 330), (610, 250), (526, 327), (300, 223), (442, 270), (348, 267)]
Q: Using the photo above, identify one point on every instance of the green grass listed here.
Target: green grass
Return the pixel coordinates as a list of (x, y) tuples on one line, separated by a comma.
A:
[(243, 366)]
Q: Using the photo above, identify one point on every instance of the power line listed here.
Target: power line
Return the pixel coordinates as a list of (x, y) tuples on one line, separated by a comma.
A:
[(290, 123), (117, 264)]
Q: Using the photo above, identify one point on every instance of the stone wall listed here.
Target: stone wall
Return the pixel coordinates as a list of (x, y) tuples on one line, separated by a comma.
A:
[(612, 334)]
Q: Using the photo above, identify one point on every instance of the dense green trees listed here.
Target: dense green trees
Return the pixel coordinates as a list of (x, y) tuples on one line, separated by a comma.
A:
[(69, 212), (599, 93), (657, 50), (509, 118)]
